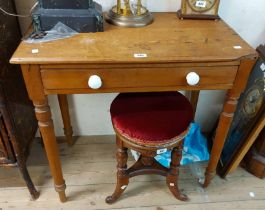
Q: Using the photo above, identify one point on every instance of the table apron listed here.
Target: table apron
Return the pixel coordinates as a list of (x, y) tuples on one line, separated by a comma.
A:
[(69, 81)]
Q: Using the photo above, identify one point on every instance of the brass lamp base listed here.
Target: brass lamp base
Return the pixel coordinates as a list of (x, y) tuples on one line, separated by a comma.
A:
[(130, 20)]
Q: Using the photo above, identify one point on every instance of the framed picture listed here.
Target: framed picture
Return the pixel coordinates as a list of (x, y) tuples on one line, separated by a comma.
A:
[(250, 108)]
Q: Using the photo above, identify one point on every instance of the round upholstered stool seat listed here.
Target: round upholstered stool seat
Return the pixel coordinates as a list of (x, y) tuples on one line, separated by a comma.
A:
[(151, 119), (147, 123)]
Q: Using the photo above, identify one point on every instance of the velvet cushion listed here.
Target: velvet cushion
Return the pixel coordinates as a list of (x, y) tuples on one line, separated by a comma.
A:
[(151, 118)]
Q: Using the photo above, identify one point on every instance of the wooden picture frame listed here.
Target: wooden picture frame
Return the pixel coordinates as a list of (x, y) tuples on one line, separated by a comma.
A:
[(244, 132)]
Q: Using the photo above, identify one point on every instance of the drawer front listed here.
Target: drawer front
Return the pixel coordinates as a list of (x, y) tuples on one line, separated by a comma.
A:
[(115, 79)]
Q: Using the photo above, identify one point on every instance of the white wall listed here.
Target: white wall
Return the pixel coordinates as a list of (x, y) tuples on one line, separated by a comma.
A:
[(90, 113), (247, 18)]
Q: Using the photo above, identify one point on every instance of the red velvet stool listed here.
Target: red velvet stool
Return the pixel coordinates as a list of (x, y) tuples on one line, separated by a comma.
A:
[(146, 123)]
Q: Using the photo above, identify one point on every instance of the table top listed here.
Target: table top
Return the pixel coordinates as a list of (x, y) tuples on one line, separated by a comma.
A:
[(167, 39)]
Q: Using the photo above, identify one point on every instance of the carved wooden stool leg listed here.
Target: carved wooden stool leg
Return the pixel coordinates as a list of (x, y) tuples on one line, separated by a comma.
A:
[(122, 178), (21, 162), (173, 174)]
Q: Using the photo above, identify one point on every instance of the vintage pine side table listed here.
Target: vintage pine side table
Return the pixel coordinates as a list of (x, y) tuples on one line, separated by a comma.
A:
[(169, 49)]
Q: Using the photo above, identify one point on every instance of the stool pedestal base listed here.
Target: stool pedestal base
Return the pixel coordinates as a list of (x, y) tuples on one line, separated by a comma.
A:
[(146, 164)]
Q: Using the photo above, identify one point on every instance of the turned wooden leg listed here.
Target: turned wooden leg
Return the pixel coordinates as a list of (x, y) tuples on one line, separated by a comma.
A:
[(226, 118), (122, 178), (25, 174), (43, 114), (68, 131), (33, 81), (194, 97), (173, 174)]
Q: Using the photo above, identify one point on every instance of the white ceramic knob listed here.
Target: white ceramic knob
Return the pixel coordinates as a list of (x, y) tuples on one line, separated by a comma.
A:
[(193, 78), (94, 82)]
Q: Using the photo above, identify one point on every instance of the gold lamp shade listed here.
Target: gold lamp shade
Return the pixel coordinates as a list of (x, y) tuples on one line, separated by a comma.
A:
[(129, 13)]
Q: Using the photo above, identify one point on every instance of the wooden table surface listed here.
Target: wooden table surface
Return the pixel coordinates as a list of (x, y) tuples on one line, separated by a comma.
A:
[(168, 39), (172, 49)]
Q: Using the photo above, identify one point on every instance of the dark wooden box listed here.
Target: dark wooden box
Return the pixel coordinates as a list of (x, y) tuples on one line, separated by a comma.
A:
[(65, 4), (80, 20), (260, 143), (255, 158), (255, 163)]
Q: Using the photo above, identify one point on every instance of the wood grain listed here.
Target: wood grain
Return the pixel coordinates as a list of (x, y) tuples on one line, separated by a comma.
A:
[(227, 116), (43, 113), (68, 131), (87, 188), (173, 49), (136, 77), (168, 39)]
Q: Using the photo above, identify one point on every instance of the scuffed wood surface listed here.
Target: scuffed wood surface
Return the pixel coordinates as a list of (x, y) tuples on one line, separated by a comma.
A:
[(168, 39)]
